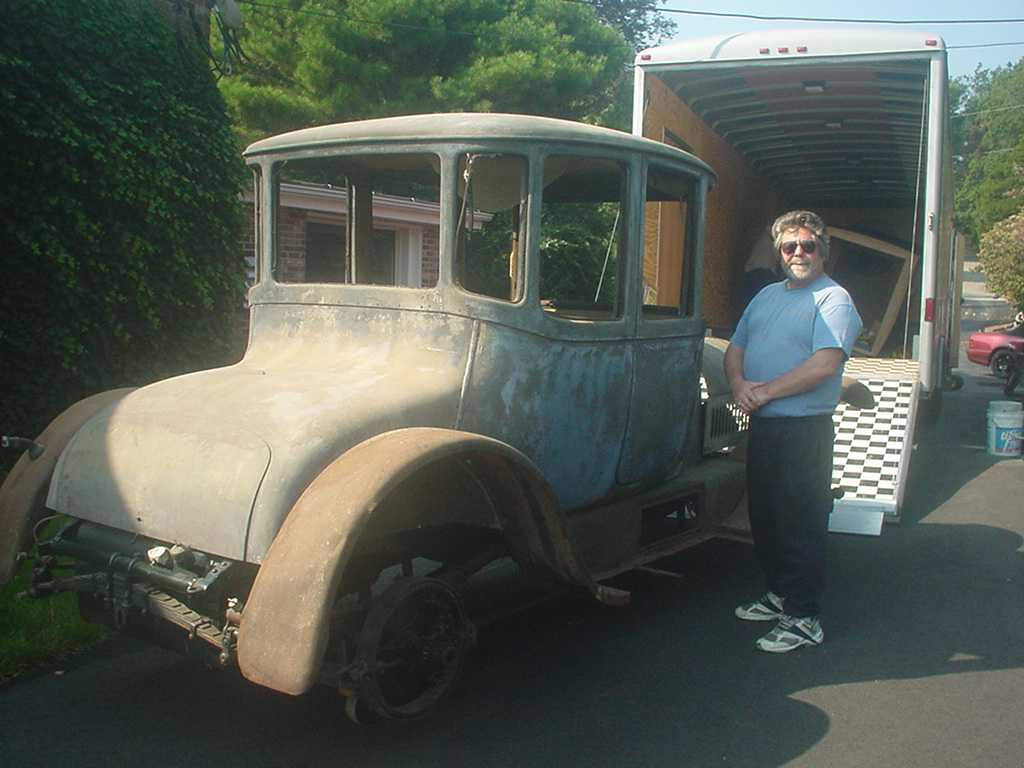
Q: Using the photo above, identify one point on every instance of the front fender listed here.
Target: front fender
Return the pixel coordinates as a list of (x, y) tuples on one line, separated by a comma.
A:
[(285, 624), (23, 493)]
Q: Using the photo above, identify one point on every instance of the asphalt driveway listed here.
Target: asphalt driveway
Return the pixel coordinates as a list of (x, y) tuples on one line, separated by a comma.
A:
[(923, 663)]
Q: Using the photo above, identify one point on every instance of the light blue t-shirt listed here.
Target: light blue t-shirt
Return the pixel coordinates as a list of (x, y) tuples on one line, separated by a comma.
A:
[(782, 327)]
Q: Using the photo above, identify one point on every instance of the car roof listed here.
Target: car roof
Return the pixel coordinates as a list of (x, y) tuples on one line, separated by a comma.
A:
[(468, 126)]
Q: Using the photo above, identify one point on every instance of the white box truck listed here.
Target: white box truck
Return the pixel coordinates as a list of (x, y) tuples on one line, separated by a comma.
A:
[(852, 124)]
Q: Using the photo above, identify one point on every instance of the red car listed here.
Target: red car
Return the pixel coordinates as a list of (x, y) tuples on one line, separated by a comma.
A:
[(995, 348)]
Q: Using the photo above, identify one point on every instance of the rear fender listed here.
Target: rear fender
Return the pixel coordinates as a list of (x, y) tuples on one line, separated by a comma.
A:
[(285, 624), (23, 493)]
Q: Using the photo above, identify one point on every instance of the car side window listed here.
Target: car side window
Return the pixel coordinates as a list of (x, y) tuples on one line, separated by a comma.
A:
[(582, 236), (491, 225), (668, 246)]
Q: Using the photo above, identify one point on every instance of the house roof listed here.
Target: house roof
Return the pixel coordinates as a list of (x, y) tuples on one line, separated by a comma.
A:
[(466, 127)]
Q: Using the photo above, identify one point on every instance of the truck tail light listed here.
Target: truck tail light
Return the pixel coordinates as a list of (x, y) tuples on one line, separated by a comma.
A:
[(929, 310)]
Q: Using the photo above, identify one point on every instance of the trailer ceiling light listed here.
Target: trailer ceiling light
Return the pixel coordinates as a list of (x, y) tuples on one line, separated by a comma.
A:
[(814, 86), (766, 50), (645, 57), (931, 41), (801, 49), (783, 50)]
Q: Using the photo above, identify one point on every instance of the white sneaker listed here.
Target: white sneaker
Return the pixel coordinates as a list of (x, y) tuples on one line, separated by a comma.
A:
[(766, 608), (791, 633)]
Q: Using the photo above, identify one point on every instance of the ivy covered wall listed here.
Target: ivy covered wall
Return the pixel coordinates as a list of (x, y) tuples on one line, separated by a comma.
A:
[(119, 190)]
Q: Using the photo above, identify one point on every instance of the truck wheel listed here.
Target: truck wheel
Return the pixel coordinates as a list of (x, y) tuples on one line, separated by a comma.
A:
[(412, 647), (1001, 362)]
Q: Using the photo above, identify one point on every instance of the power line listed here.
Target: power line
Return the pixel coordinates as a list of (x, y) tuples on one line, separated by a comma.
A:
[(759, 17), (983, 45), (652, 9), (356, 19), (986, 111)]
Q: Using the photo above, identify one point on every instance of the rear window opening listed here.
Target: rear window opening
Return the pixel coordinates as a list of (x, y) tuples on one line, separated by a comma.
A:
[(358, 220)]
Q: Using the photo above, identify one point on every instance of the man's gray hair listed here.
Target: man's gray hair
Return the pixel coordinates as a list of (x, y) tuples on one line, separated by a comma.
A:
[(797, 219)]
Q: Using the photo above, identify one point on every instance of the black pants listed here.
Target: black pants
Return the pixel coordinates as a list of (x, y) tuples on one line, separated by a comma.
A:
[(789, 487)]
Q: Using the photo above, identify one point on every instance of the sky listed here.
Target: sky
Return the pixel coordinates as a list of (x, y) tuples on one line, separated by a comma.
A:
[(962, 61)]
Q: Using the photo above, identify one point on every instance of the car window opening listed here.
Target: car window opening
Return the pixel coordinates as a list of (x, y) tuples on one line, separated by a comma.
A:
[(668, 289), (489, 231), (358, 220), (582, 237)]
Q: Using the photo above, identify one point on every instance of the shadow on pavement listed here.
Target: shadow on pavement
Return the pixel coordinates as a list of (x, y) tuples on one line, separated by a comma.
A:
[(951, 454), (674, 680)]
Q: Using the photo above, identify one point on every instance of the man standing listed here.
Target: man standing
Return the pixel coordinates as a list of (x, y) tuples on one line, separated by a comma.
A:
[(785, 365)]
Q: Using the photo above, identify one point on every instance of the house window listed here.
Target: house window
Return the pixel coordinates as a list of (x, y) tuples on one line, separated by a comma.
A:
[(358, 220), (581, 237), (325, 253), (380, 266)]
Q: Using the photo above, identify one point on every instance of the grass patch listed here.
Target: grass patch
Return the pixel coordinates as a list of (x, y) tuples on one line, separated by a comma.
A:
[(34, 631)]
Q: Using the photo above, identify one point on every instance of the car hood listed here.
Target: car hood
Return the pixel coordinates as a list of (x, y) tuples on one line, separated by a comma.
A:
[(216, 459)]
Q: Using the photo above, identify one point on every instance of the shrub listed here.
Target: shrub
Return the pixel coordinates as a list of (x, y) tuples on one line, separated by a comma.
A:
[(121, 175), (1002, 258)]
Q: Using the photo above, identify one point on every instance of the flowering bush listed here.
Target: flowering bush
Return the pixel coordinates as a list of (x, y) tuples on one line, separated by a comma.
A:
[(1002, 258)]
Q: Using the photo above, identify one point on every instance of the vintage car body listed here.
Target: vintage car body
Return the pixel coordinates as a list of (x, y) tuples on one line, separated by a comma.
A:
[(373, 426)]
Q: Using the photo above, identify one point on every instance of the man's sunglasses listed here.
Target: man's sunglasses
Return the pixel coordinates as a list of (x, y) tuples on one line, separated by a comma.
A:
[(789, 248)]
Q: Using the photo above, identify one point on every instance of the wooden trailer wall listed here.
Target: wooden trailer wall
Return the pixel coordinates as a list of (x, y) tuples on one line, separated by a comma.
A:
[(739, 207)]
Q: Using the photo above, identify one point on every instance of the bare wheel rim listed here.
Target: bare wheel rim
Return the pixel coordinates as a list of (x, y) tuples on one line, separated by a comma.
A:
[(412, 647)]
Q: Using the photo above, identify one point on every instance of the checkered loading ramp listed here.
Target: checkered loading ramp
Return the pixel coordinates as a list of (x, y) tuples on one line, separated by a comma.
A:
[(873, 447)]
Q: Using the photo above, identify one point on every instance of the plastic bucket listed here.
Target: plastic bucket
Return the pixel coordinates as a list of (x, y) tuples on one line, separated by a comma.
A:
[(1005, 421)]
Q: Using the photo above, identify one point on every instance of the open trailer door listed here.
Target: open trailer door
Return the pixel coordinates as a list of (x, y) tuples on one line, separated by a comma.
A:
[(851, 124)]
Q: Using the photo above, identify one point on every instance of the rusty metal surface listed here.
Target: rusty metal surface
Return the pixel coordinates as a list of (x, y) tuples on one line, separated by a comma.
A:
[(662, 405), (562, 402), (297, 585), (23, 491), (211, 458)]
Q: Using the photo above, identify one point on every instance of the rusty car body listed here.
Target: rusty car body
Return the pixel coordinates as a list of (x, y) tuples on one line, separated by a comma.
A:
[(403, 417)]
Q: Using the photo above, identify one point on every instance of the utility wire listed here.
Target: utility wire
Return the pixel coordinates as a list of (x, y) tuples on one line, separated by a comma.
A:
[(652, 9), (984, 45), (986, 111), (356, 19), (719, 14)]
